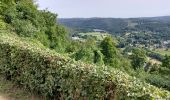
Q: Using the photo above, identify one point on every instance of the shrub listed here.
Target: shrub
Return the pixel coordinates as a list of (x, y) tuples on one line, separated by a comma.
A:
[(159, 81), (2, 24), (24, 28), (166, 62)]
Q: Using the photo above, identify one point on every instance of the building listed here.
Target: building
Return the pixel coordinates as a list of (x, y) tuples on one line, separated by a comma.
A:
[(99, 30)]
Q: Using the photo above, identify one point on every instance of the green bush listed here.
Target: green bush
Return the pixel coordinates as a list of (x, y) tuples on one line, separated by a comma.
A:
[(2, 24), (159, 81), (24, 28), (52, 75), (166, 62)]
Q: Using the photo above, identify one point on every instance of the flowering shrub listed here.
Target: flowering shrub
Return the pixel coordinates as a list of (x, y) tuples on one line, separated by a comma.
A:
[(31, 65)]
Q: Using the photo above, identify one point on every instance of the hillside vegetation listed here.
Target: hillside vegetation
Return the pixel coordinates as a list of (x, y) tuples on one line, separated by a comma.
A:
[(53, 75), (119, 25), (150, 33), (37, 54)]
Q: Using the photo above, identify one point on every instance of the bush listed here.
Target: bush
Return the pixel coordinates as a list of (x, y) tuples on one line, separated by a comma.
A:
[(85, 55), (52, 75), (2, 24), (166, 62), (24, 28), (159, 81)]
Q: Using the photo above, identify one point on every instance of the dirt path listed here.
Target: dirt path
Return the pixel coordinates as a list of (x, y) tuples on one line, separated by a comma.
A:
[(9, 91), (3, 97)]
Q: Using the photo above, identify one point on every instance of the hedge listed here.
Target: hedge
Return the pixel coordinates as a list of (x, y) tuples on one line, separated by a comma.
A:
[(43, 71)]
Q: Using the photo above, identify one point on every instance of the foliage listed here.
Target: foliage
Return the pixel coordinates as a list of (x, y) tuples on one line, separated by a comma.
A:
[(84, 55), (154, 68), (159, 81), (109, 51), (98, 57), (73, 46), (85, 51), (2, 24), (166, 62), (159, 75), (27, 62), (155, 55), (27, 21), (138, 58), (24, 28), (119, 26), (46, 72)]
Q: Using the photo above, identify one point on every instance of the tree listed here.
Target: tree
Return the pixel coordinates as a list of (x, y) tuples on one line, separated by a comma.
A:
[(85, 55), (109, 51), (98, 57), (166, 62), (138, 58), (26, 20), (86, 51)]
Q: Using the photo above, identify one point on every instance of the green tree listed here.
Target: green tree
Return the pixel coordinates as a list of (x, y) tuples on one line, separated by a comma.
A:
[(26, 20), (166, 62), (73, 46), (98, 57), (86, 51), (109, 50), (138, 58)]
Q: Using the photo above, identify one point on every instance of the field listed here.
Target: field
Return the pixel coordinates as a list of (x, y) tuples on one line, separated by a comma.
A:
[(163, 51), (97, 35)]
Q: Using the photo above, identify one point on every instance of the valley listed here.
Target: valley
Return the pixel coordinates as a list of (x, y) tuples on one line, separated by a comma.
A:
[(44, 57)]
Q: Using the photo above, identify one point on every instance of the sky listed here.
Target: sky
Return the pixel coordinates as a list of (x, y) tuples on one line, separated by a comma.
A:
[(106, 8)]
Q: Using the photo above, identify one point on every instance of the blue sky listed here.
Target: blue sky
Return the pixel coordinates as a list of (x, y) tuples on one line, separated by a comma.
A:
[(106, 8)]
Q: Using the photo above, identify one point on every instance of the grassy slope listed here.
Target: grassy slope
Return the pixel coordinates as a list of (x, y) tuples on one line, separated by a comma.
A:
[(163, 51), (127, 85), (10, 91)]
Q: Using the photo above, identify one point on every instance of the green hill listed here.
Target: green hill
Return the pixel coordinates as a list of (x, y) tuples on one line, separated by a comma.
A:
[(119, 25), (37, 54)]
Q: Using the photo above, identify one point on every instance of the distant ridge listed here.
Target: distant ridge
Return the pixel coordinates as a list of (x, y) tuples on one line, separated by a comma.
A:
[(118, 25)]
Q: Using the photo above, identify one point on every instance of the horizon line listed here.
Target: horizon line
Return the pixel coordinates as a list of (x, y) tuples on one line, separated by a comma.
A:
[(113, 17)]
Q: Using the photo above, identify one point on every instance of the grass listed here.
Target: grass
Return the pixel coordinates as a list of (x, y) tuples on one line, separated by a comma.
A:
[(10, 91), (153, 61), (163, 51), (98, 35)]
